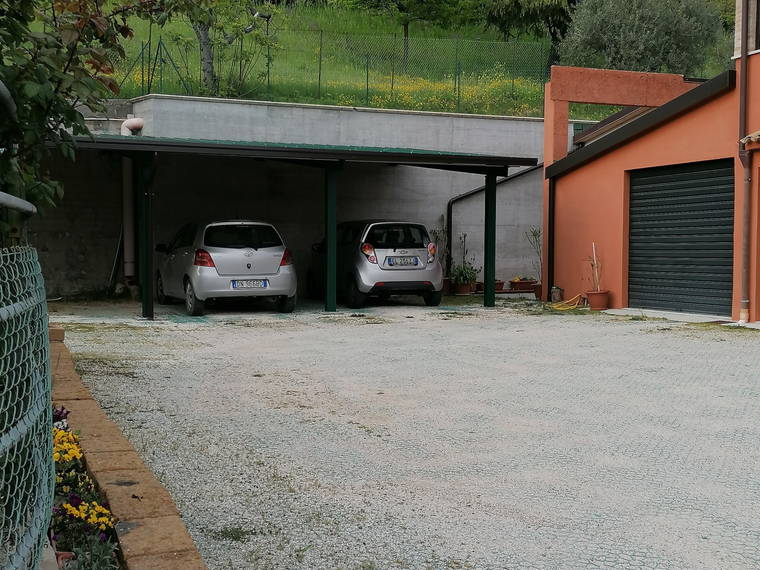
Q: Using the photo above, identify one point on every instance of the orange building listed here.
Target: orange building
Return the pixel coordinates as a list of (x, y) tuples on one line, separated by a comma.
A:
[(666, 190)]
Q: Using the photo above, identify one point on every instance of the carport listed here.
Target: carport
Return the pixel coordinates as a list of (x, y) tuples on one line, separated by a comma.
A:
[(330, 159)]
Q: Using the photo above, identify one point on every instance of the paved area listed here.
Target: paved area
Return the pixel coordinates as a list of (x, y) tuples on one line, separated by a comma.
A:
[(406, 437)]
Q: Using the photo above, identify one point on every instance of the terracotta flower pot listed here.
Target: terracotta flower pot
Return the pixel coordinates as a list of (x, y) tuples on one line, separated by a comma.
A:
[(537, 290), (62, 557), (479, 286), (522, 284), (463, 288), (598, 300), (499, 285), (446, 285)]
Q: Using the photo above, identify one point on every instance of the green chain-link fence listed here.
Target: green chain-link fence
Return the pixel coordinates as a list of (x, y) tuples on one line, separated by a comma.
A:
[(312, 66), (26, 456)]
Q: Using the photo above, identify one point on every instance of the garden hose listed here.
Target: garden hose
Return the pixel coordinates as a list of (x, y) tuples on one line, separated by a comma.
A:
[(573, 303)]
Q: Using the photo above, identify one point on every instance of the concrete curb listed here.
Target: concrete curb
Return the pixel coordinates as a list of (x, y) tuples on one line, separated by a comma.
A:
[(150, 530)]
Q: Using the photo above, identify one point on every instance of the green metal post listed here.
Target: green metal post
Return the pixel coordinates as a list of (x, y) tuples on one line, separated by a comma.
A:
[(489, 243), (331, 239), (319, 71), (144, 177), (366, 96)]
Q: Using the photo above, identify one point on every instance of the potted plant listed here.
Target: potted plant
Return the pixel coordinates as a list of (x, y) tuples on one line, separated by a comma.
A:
[(521, 283), (598, 298), (463, 277), (533, 235), (500, 285)]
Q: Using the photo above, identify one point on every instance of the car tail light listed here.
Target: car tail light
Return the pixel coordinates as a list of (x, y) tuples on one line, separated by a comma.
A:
[(203, 258), (431, 252), (287, 258), (369, 251)]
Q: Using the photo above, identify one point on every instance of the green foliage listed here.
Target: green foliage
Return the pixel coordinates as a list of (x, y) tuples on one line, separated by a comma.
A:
[(463, 273), (407, 11), (641, 35), (515, 17), (54, 57)]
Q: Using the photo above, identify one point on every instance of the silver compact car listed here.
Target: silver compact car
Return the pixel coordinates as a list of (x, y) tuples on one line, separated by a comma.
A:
[(226, 259), (382, 258)]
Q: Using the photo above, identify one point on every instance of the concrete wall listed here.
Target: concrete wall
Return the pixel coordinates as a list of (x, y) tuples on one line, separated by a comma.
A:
[(518, 209), (229, 119), (77, 240)]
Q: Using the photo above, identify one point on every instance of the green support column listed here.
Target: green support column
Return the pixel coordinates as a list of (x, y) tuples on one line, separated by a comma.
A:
[(489, 243), (331, 240), (144, 176)]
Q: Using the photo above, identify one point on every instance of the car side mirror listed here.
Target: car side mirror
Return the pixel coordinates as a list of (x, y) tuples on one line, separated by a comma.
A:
[(161, 248), (317, 247)]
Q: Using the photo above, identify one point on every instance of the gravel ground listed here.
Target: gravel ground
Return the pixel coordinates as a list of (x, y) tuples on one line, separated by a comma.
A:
[(457, 437)]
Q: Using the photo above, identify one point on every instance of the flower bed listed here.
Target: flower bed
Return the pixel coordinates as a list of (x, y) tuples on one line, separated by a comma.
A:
[(82, 527)]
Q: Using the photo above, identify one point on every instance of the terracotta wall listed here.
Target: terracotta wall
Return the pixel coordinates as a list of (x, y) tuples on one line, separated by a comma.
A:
[(592, 201)]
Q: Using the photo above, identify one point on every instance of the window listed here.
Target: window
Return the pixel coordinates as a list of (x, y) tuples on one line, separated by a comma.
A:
[(394, 236), (242, 235)]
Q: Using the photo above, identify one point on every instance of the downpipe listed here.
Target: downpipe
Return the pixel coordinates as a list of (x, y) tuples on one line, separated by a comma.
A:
[(131, 126), (746, 161)]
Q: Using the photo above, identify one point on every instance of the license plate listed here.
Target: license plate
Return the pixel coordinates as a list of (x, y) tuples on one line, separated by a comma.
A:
[(393, 261), (249, 284)]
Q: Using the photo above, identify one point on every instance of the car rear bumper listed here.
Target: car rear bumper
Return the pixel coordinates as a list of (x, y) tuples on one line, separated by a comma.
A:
[(374, 280), (401, 287), (208, 284)]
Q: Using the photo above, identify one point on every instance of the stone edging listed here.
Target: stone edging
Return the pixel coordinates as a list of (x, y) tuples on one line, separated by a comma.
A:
[(151, 533)]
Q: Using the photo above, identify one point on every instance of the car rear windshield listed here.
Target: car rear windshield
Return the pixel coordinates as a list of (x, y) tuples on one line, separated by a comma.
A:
[(393, 236), (243, 235)]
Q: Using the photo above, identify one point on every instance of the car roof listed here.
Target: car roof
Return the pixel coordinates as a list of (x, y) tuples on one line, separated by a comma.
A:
[(207, 223), (378, 221)]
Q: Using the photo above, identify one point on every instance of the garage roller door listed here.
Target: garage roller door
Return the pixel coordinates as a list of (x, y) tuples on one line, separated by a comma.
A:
[(681, 238)]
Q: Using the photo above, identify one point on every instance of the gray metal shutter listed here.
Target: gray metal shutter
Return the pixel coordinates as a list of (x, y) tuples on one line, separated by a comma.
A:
[(681, 237)]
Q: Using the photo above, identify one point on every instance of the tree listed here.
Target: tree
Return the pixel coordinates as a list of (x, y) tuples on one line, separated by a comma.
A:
[(408, 11), (225, 23), (538, 17), (54, 56), (641, 35)]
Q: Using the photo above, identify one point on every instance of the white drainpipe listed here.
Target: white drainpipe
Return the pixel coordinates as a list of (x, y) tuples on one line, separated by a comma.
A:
[(131, 126)]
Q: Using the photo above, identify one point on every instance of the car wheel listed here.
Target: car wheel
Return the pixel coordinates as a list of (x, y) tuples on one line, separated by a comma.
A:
[(286, 304), (433, 298), (355, 298), (161, 297), (193, 304)]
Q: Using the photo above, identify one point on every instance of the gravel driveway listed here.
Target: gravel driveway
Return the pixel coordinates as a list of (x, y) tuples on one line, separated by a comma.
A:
[(457, 437)]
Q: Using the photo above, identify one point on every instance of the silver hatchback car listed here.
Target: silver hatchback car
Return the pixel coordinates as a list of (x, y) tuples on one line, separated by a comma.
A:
[(226, 259), (382, 258)]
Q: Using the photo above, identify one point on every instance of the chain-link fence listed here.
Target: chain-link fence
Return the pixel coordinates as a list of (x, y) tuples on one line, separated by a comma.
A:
[(432, 74), (26, 456)]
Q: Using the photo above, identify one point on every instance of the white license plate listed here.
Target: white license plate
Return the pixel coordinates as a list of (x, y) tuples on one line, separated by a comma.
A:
[(249, 284), (394, 261)]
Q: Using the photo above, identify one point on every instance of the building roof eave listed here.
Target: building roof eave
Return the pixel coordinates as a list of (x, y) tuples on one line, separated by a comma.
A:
[(709, 90)]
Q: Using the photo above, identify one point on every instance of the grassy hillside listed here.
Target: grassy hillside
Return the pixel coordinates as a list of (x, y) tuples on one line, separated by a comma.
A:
[(347, 57), (327, 55)]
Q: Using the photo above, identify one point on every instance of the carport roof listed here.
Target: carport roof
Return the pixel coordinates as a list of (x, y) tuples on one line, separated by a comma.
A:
[(312, 154)]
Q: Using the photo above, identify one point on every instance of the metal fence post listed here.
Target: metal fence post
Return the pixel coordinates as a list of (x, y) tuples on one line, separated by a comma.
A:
[(366, 93), (393, 65), (142, 69), (319, 72)]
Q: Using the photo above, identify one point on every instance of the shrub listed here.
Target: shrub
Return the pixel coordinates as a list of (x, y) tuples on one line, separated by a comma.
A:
[(642, 35)]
